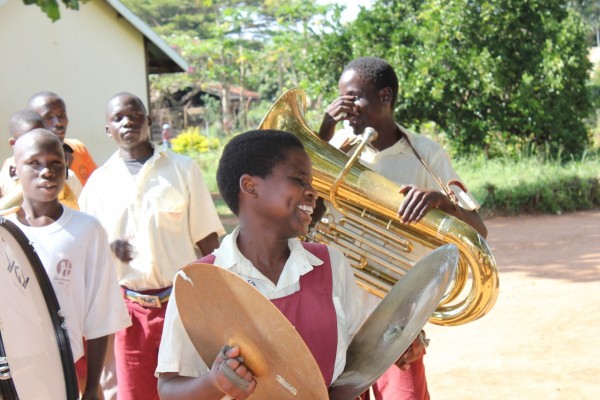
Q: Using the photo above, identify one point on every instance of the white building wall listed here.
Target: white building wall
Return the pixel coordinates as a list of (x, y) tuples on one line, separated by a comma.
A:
[(86, 57)]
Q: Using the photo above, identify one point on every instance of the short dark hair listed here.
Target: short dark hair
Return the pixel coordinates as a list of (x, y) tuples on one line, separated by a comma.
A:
[(376, 71), (23, 121), (127, 94), (44, 95), (255, 153)]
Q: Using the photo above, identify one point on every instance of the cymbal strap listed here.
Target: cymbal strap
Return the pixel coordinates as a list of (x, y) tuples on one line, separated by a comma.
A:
[(238, 381)]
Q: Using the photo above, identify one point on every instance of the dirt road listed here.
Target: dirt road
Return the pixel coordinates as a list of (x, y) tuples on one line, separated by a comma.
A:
[(542, 338)]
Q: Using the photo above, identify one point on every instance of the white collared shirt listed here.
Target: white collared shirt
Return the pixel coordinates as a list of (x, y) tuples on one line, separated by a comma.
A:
[(163, 211), (177, 353), (398, 163)]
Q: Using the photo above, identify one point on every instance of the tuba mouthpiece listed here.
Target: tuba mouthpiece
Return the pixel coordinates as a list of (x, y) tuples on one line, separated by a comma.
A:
[(369, 134)]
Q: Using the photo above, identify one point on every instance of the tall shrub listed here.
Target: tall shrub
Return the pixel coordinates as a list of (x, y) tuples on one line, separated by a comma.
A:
[(484, 70)]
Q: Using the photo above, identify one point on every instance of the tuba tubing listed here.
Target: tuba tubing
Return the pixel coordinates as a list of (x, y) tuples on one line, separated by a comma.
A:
[(362, 222)]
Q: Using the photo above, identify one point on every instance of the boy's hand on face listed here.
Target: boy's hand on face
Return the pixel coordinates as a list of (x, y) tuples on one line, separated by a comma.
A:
[(417, 201), (122, 249), (230, 374), (342, 108)]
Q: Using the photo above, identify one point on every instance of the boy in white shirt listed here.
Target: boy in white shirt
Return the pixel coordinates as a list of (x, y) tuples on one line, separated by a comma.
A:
[(368, 89), (73, 249)]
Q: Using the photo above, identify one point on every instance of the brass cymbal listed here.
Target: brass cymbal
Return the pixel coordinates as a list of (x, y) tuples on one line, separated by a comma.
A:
[(219, 308), (395, 323)]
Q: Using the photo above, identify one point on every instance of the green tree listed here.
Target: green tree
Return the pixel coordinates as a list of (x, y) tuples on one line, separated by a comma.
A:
[(330, 50), (174, 16), (259, 45), (51, 7), (485, 71), (211, 36), (590, 12)]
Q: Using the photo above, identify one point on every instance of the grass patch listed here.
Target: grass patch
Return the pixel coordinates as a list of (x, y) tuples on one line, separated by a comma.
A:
[(220, 205), (532, 184), (527, 183), (208, 162)]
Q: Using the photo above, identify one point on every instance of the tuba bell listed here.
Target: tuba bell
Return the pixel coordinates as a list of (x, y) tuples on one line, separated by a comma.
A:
[(361, 221)]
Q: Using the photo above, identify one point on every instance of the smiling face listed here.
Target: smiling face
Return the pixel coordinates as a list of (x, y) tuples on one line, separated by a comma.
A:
[(40, 165), (128, 124), (286, 198), (53, 111), (372, 106)]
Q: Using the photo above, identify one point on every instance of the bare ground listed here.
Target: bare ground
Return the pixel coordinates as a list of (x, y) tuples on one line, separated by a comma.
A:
[(542, 338)]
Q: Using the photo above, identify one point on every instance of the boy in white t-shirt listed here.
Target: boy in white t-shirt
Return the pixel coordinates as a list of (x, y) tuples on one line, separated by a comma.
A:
[(73, 249)]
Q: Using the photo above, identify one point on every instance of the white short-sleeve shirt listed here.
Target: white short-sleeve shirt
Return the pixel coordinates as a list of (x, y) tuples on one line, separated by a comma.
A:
[(177, 353), (75, 254), (399, 164), (163, 211)]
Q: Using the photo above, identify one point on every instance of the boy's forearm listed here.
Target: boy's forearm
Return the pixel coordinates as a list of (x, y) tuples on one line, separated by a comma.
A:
[(208, 244), (96, 353), (327, 129)]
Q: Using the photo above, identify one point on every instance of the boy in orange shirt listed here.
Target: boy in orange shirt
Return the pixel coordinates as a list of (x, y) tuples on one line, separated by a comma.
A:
[(51, 107)]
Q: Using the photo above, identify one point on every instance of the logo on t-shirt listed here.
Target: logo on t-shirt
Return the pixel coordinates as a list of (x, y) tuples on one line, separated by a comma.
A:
[(63, 270)]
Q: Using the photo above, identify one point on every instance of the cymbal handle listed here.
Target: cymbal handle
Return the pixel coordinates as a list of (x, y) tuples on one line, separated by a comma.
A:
[(237, 380)]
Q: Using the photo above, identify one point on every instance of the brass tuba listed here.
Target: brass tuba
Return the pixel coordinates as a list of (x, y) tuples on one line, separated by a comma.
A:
[(361, 221)]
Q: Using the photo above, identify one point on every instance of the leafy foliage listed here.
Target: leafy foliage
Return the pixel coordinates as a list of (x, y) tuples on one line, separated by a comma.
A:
[(482, 70), (532, 183), (51, 7), (593, 121), (487, 75), (205, 151), (190, 142), (590, 12), (252, 44)]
